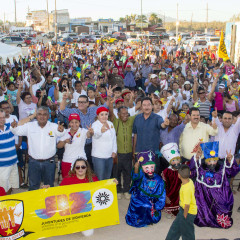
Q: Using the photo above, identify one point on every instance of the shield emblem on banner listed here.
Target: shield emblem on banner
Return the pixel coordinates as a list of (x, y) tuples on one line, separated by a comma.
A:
[(11, 217)]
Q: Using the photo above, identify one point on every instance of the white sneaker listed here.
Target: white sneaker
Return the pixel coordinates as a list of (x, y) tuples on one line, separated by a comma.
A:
[(119, 196), (88, 233), (127, 195)]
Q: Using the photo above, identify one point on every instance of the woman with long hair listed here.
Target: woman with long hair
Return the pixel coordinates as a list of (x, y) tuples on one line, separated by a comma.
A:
[(80, 172)]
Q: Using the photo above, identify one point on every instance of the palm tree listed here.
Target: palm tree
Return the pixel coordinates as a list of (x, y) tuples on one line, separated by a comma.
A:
[(154, 19), (133, 18), (140, 19), (127, 19), (122, 20)]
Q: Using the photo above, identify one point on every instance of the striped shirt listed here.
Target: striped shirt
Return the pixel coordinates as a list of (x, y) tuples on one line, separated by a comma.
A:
[(8, 155), (204, 108)]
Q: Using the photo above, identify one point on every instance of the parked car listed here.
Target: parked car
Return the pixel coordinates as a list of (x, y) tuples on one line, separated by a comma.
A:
[(199, 43), (153, 38), (50, 35), (30, 41), (74, 36), (110, 40), (15, 41), (185, 43), (134, 40), (185, 39), (53, 42), (213, 41), (87, 39), (120, 36), (164, 35), (96, 37), (83, 34)]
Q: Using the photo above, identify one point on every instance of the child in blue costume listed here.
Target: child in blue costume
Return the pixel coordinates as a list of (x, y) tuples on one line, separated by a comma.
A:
[(148, 193)]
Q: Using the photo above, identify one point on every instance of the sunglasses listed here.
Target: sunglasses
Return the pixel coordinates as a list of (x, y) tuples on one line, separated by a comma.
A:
[(201, 92), (82, 167)]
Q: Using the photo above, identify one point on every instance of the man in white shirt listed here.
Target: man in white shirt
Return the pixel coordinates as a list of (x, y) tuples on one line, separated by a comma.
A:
[(227, 133), (42, 137)]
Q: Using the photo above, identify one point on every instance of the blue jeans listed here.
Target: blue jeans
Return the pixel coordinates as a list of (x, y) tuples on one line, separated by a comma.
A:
[(41, 171), (102, 167)]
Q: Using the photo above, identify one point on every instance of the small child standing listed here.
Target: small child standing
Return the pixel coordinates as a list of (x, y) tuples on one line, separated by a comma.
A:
[(183, 225)]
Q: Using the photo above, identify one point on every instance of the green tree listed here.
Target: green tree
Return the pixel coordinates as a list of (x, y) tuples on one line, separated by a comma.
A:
[(140, 19), (127, 19), (154, 19), (122, 20), (133, 18)]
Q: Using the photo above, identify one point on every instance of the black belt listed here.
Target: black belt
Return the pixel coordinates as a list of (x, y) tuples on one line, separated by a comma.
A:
[(42, 160)]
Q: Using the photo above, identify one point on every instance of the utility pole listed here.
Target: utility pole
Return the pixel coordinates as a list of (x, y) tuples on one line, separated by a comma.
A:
[(207, 20), (56, 19), (141, 19), (4, 28), (15, 12), (191, 22), (164, 20), (177, 23), (48, 16)]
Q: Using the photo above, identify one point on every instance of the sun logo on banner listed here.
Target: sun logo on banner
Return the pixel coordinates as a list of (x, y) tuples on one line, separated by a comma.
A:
[(11, 217), (102, 198)]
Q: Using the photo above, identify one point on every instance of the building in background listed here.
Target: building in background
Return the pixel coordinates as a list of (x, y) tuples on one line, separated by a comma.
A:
[(109, 25), (232, 41), (38, 20), (63, 20), (80, 25)]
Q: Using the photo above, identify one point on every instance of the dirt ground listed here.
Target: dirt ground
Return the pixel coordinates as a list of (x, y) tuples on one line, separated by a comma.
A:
[(158, 231)]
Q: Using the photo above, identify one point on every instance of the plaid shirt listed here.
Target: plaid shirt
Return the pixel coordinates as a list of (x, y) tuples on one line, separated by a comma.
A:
[(86, 119)]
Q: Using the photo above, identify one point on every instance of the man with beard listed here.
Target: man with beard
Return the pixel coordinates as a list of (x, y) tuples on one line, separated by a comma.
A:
[(148, 193), (213, 194), (170, 175)]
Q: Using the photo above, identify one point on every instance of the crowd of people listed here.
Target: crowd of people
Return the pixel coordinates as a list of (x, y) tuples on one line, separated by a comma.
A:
[(113, 108)]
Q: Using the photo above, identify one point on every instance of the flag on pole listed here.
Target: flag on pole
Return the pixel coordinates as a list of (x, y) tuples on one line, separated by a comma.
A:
[(222, 51)]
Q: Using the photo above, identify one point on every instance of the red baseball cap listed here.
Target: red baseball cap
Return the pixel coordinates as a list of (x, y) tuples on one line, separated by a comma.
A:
[(131, 58), (119, 100), (101, 109), (125, 92), (73, 116)]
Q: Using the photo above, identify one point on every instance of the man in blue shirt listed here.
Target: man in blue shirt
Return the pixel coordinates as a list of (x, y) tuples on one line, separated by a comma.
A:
[(146, 129)]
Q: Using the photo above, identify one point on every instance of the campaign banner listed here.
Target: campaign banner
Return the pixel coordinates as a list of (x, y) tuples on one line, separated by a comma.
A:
[(58, 210)]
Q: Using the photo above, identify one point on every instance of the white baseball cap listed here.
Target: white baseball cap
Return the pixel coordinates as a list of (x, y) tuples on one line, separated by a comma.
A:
[(153, 76)]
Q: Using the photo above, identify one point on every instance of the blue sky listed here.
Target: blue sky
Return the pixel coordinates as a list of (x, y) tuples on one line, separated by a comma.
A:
[(220, 10)]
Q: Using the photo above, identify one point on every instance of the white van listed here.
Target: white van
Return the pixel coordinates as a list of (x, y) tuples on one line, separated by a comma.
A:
[(70, 35), (199, 43), (213, 41)]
